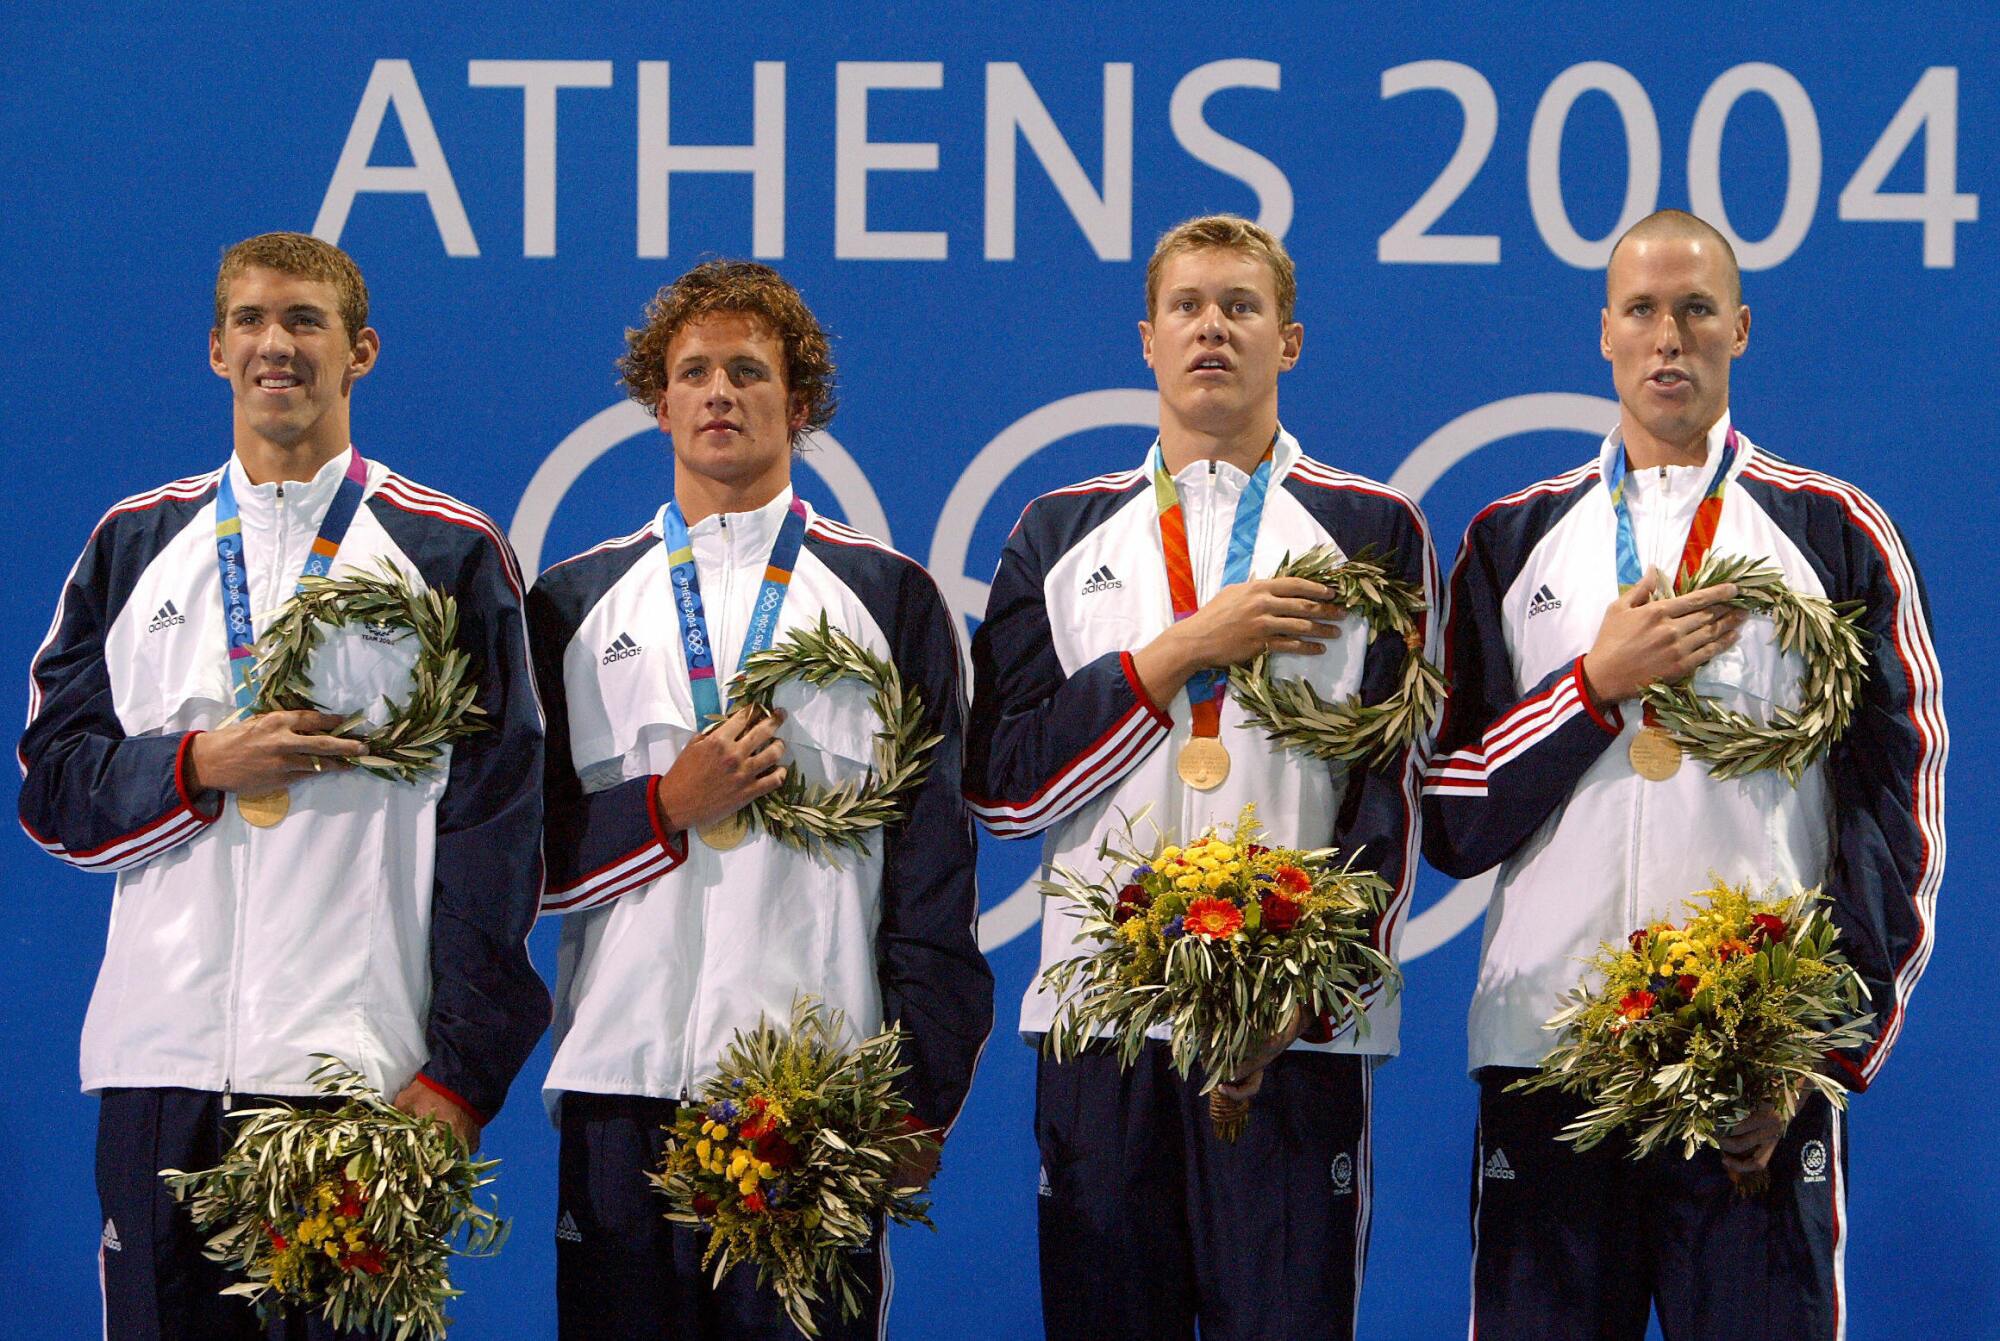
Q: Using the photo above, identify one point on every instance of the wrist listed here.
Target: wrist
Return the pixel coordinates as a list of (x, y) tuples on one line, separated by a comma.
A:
[(1166, 664), (1602, 693)]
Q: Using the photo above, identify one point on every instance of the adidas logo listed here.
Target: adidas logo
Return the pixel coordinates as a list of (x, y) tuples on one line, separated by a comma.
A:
[(566, 1229), (110, 1239), (1497, 1167), (621, 647), (1044, 1190), (1101, 580), (1544, 601), (167, 617)]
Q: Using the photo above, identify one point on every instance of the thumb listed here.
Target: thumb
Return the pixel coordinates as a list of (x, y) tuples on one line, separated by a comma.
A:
[(1641, 591)]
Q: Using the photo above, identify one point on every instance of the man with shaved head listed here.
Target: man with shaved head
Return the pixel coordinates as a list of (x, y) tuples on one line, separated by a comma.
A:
[(1549, 767)]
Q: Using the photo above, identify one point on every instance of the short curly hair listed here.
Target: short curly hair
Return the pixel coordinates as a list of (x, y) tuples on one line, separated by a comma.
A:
[(302, 256), (734, 286), (1226, 232)]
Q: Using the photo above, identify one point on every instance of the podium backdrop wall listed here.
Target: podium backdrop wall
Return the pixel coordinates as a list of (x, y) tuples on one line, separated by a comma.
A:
[(967, 197)]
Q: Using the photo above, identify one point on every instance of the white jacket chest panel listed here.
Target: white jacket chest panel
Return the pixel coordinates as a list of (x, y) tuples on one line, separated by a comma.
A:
[(1090, 618), (632, 713), (169, 651)]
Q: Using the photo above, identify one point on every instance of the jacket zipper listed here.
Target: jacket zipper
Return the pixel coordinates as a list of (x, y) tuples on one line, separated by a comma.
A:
[(1665, 510), (701, 921), (242, 863)]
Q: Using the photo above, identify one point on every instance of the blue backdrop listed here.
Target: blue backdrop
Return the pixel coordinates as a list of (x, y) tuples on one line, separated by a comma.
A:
[(968, 200)]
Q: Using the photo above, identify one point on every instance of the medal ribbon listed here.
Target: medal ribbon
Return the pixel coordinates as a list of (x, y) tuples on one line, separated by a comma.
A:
[(238, 626), (1701, 532), (763, 629), (1205, 688)]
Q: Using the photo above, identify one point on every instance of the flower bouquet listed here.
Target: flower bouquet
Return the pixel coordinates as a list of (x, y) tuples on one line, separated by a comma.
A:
[(354, 1211), (789, 1157), (1224, 941), (1695, 1025)]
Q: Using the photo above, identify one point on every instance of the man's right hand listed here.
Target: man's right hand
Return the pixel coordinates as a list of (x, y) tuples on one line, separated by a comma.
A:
[(724, 769), (268, 752), (1643, 641), (1271, 614)]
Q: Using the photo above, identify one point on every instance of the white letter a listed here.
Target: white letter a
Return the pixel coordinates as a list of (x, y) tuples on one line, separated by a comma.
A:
[(394, 83)]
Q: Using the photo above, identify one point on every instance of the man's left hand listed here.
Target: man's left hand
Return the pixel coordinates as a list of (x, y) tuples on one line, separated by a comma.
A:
[(420, 1100), (1245, 1087), (1747, 1147)]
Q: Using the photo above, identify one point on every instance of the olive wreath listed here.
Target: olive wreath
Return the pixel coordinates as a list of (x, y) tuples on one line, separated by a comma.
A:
[(1292, 713), (1827, 636), (819, 819), (440, 708)]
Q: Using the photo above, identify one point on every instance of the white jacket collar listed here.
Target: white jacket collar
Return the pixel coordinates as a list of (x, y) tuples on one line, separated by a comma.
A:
[(309, 497)]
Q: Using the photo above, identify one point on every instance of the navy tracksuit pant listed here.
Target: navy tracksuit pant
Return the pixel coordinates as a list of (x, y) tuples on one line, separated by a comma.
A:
[(157, 1285), (1151, 1226), (622, 1271), (1581, 1246)]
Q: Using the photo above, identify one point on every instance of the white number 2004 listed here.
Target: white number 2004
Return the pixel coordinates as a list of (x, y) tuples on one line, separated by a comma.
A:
[(1931, 109)]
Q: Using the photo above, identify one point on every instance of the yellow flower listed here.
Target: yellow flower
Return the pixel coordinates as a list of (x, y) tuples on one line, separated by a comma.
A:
[(747, 1185), (1169, 852), (1217, 879), (738, 1163), (703, 1148), (1135, 929), (1187, 882)]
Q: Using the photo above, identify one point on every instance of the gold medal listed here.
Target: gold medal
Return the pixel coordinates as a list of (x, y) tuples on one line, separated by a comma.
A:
[(265, 808), (1204, 763), (727, 832), (1655, 755)]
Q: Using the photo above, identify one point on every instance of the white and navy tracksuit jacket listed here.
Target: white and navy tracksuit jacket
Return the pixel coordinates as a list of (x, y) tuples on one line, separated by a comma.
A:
[(381, 922), (671, 946), (1065, 741), (1532, 776)]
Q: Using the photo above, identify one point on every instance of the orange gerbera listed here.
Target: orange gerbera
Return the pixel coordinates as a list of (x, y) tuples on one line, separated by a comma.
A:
[(1636, 1005), (1292, 880), (1216, 919)]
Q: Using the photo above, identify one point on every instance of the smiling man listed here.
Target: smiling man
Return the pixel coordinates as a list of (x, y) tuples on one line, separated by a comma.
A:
[(1549, 768), (683, 923), (1119, 605), (272, 903)]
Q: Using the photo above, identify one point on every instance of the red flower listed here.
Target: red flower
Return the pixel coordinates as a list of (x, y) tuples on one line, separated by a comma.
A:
[(277, 1239), (1637, 940), (704, 1204), (754, 1203), (1636, 1005), (1765, 928), (1132, 901), (775, 1151), (759, 1124), (369, 1259), (1687, 983), (350, 1200), (1280, 913), (1214, 919), (1729, 949), (1255, 849), (1292, 880)]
